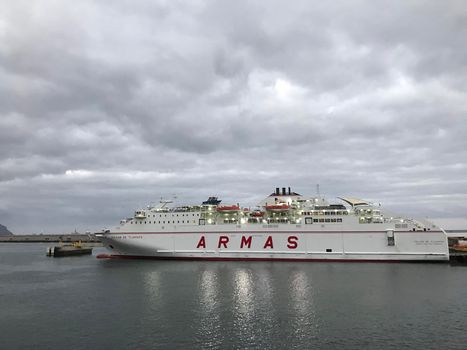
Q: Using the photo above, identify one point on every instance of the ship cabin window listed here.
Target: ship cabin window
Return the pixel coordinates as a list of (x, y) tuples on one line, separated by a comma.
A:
[(328, 250), (308, 220)]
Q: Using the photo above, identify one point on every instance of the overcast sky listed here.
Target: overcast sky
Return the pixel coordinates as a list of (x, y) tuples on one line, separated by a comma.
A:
[(109, 105)]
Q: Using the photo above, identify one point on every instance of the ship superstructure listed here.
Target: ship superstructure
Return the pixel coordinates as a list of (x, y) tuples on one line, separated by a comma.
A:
[(284, 226)]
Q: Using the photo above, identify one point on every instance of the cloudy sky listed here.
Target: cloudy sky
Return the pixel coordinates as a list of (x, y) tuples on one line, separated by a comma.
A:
[(106, 106)]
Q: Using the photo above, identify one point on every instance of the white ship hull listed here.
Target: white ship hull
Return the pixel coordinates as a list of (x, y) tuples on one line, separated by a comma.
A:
[(281, 243)]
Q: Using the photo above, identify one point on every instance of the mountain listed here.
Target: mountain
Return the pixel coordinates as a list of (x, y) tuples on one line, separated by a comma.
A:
[(4, 231)]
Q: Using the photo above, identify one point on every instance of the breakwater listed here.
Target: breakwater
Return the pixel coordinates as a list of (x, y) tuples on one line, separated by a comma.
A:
[(85, 238)]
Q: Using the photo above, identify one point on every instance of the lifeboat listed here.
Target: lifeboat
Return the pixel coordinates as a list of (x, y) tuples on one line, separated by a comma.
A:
[(257, 214), (228, 209), (278, 207)]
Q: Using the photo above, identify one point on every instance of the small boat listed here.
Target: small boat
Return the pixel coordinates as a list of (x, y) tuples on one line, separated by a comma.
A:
[(68, 250), (257, 214)]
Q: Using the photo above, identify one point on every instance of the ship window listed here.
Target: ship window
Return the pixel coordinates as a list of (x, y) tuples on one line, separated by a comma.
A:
[(339, 220), (328, 250), (159, 222), (321, 220), (308, 221), (333, 220)]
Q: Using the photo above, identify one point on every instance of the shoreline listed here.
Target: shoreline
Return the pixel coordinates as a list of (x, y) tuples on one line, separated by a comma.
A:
[(45, 238)]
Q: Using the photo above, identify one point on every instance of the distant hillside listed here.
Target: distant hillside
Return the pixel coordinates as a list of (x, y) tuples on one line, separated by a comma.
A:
[(4, 231)]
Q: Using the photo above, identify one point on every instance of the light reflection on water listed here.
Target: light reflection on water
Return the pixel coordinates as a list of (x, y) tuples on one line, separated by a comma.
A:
[(153, 287), (243, 306), (305, 323), (208, 317)]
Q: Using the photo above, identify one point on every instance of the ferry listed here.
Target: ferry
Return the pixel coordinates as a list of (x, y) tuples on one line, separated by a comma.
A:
[(285, 226)]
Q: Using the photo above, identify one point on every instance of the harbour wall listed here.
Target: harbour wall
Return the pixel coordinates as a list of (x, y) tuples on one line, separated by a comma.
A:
[(85, 238)]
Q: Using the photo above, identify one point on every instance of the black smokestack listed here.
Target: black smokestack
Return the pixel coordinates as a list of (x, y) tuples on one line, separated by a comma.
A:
[(277, 190), (289, 190), (283, 191)]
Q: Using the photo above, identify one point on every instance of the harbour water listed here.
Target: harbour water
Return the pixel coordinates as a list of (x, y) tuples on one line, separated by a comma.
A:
[(87, 303)]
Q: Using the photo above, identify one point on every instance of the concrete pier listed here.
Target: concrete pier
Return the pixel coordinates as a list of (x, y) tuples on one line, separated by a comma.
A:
[(85, 238)]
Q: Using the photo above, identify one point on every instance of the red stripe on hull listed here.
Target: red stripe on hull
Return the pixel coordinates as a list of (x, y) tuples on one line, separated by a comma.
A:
[(143, 257), (265, 231)]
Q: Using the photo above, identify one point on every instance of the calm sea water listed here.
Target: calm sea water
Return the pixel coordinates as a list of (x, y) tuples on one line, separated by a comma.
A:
[(86, 303)]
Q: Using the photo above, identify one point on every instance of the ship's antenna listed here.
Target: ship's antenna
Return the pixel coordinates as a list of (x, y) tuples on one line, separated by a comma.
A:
[(165, 202)]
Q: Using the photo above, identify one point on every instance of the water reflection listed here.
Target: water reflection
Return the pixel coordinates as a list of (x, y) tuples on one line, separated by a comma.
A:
[(208, 323), (304, 319), (152, 286), (243, 305)]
